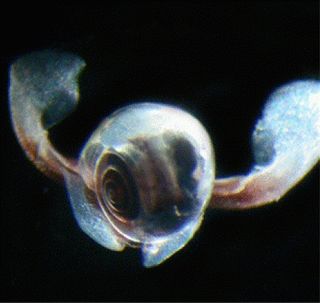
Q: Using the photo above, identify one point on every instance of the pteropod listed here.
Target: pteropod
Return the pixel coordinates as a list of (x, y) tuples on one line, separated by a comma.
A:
[(146, 175)]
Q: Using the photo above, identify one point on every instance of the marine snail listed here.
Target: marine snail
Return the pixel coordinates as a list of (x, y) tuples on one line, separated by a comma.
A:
[(146, 175)]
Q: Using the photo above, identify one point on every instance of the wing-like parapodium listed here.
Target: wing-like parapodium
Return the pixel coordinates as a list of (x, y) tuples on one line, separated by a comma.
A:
[(286, 145), (43, 91)]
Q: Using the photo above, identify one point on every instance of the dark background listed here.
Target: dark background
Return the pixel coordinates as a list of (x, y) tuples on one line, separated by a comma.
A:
[(217, 60)]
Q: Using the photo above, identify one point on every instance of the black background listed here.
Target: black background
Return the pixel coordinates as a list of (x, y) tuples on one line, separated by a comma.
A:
[(217, 60)]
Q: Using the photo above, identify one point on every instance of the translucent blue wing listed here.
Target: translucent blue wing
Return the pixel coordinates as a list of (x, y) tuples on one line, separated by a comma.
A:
[(286, 145)]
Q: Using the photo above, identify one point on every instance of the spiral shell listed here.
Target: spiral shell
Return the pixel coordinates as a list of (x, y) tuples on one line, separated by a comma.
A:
[(151, 187)]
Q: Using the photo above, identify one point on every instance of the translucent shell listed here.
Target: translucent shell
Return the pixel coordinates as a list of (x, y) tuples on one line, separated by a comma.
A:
[(170, 171)]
